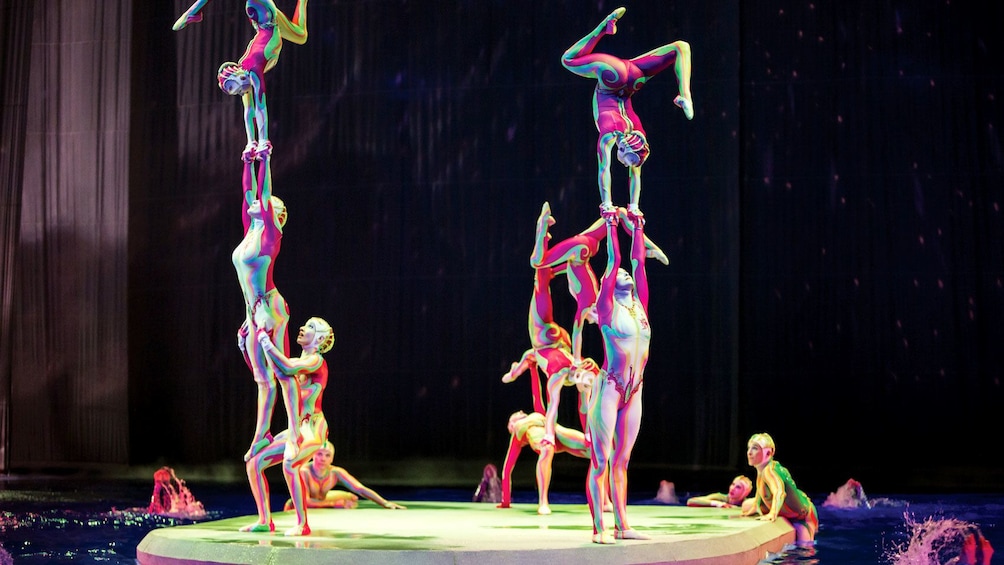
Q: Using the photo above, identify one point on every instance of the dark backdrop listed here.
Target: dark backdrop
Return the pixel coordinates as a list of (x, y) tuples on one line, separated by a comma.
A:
[(832, 215)]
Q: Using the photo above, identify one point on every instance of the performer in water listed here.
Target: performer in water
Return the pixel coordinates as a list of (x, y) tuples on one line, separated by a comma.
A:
[(776, 493), (613, 111), (246, 77), (615, 406)]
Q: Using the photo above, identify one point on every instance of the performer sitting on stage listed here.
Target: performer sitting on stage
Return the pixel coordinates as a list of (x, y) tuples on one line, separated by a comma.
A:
[(321, 477)]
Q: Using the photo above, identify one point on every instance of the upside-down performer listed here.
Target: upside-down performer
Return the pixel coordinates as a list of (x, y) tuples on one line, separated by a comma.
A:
[(617, 80), (246, 77)]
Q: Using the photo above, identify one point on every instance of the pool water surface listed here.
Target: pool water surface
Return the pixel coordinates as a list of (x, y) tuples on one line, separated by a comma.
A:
[(59, 520)]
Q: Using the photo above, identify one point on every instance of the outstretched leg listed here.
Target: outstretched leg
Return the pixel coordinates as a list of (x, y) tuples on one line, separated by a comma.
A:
[(577, 58), (677, 54)]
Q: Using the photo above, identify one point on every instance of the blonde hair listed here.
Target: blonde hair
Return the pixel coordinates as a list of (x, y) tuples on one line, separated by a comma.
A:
[(279, 208), (764, 441)]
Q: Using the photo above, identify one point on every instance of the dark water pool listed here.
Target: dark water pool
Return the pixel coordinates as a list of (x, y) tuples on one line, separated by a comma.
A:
[(54, 521)]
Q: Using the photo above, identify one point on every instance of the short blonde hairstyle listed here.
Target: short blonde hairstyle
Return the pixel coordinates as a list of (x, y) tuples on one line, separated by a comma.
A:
[(764, 441)]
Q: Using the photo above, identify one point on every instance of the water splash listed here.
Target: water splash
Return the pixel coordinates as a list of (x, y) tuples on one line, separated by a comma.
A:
[(850, 495), (941, 541), (172, 498)]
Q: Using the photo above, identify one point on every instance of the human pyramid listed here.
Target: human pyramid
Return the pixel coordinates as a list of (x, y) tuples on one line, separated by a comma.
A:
[(609, 394), (263, 338)]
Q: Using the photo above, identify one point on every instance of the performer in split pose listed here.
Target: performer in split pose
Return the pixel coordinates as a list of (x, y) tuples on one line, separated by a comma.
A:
[(246, 77), (613, 111)]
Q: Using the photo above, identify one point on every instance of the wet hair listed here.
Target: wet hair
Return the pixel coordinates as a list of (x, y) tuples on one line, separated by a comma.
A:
[(764, 441)]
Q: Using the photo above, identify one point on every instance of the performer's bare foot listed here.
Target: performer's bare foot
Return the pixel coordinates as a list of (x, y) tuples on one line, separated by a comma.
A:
[(610, 24), (686, 104), (258, 446), (630, 534), (298, 530), (544, 510), (605, 538), (259, 527), (608, 506), (510, 377), (541, 237)]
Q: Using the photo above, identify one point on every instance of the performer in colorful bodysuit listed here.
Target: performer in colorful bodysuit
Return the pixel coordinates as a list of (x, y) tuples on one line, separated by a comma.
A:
[(246, 78), (776, 493), (321, 477), (615, 406), (563, 366), (617, 81), (740, 488), (310, 370), (264, 216), (528, 430)]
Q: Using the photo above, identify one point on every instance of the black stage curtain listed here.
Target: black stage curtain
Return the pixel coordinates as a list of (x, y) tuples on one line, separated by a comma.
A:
[(831, 213)]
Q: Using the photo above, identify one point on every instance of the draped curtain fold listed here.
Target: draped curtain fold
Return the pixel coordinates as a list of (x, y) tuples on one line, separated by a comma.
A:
[(68, 332), (14, 56)]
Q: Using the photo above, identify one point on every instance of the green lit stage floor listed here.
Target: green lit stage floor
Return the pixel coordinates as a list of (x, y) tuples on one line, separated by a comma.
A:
[(470, 533)]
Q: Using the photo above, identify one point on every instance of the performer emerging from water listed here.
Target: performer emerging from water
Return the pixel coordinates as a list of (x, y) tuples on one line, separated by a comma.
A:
[(246, 78), (264, 216), (310, 371), (776, 493), (615, 406), (613, 111)]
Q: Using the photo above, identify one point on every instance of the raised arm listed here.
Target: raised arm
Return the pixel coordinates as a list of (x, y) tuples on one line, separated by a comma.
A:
[(638, 254), (249, 186), (605, 299), (362, 490)]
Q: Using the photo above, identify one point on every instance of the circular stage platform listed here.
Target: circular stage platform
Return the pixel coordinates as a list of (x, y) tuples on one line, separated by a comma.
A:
[(457, 533)]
